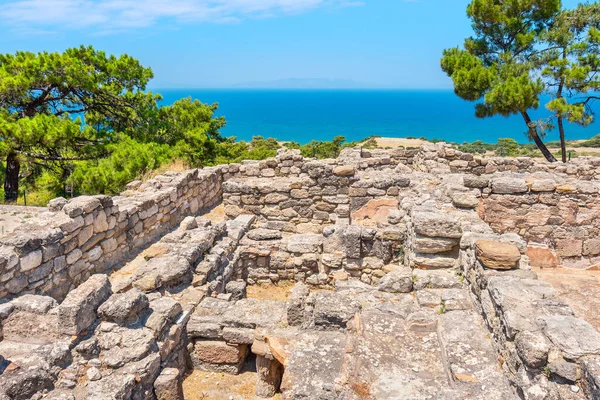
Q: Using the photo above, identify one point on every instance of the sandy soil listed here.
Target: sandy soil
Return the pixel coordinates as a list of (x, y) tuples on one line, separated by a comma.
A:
[(203, 385), (13, 216), (580, 289), (279, 292), (399, 142), (216, 215)]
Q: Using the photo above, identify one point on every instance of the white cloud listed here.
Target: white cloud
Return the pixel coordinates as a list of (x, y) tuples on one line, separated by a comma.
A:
[(124, 14)]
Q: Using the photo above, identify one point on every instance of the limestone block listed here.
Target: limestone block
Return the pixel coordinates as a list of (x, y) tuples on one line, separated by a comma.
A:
[(435, 224), (31, 260), (497, 255), (575, 337), (305, 243), (78, 311), (398, 280), (124, 307), (168, 385), (344, 170), (509, 185), (429, 245)]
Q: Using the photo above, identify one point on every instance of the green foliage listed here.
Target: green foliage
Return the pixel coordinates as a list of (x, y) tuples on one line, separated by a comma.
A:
[(593, 142), (258, 149), (84, 114), (477, 147), (320, 149), (189, 126), (571, 66), (497, 66), (127, 161), (39, 94), (507, 147)]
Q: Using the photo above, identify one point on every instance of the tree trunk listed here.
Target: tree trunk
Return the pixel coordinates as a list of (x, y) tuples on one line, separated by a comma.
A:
[(536, 138), (11, 179), (563, 144)]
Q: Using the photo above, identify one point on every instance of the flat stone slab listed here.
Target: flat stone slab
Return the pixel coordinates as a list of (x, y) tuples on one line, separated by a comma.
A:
[(314, 366), (386, 360), (472, 362)]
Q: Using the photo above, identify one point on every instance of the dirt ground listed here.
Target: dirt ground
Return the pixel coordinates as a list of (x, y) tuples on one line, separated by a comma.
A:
[(580, 289), (398, 142), (217, 214), (203, 385), (13, 216), (279, 292)]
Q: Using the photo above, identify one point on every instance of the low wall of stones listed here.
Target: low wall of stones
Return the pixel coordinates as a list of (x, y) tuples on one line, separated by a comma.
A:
[(557, 213), (73, 240), (544, 348), (442, 158), (308, 195), (340, 252)]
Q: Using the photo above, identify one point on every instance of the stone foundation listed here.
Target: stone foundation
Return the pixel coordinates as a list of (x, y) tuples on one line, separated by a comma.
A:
[(412, 272)]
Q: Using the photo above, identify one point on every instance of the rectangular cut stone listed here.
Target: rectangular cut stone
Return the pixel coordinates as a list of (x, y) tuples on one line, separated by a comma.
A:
[(78, 311)]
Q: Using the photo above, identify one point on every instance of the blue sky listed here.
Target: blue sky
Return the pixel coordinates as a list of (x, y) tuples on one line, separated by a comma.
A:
[(217, 43)]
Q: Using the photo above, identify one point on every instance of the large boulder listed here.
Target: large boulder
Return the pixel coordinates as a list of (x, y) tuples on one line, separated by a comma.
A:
[(497, 255)]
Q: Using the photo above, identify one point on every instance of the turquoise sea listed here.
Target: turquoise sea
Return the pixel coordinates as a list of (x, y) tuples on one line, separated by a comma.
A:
[(304, 115)]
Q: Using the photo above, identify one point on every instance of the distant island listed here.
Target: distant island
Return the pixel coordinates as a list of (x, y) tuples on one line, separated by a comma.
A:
[(303, 83)]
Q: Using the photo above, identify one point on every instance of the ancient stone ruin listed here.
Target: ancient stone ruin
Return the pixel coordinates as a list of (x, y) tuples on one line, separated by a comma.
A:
[(411, 271)]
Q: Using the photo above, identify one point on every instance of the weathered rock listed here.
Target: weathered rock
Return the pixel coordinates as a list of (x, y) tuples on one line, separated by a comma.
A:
[(164, 311), (264, 234), (220, 355), (34, 304), (533, 348), (269, 375), (541, 257), (124, 307), (78, 311), (497, 255), (115, 386), (465, 200), (344, 170), (168, 385), (591, 377), (474, 181), (305, 243), (57, 204), (508, 185), (397, 281), (436, 225), (429, 245), (237, 289), (573, 336), (23, 383), (351, 241), (296, 303), (332, 310)]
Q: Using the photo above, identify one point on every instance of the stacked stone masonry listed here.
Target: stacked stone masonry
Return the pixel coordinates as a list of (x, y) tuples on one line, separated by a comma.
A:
[(411, 269)]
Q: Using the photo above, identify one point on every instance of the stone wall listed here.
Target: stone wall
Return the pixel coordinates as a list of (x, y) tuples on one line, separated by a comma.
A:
[(442, 158), (305, 195), (561, 213), (553, 205), (543, 346), (73, 240)]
